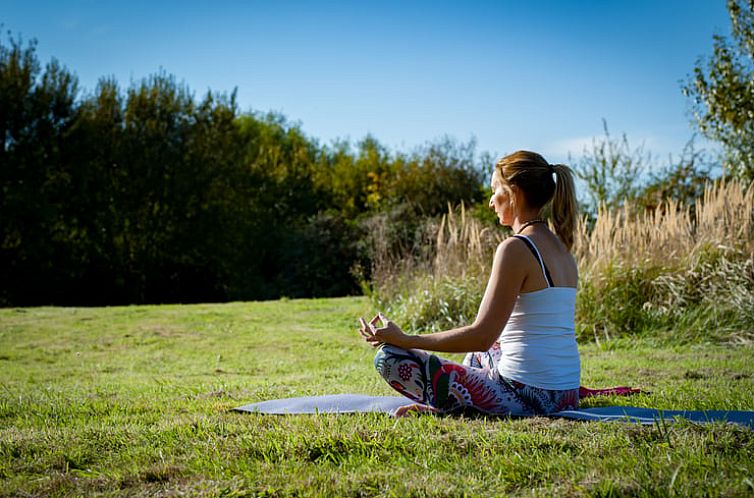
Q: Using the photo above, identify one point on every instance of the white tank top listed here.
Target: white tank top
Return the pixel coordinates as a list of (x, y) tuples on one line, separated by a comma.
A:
[(538, 344)]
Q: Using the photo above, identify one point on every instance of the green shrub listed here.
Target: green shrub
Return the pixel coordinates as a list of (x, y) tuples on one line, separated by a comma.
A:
[(427, 304), (611, 303)]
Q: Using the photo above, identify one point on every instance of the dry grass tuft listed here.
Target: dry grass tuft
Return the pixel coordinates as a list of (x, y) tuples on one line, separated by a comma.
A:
[(463, 245), (672, 232)]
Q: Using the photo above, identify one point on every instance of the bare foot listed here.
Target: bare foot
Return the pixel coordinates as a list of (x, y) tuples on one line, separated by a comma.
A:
[(405, 410)]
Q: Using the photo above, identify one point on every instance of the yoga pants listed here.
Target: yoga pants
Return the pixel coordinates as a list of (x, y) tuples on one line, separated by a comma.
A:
[(476, 384)]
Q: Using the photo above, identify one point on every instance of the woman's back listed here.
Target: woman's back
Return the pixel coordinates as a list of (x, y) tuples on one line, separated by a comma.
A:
[(538, 343), (557, 259)]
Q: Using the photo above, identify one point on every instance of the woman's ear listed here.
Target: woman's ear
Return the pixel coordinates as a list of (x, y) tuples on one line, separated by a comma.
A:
[(517, 196)]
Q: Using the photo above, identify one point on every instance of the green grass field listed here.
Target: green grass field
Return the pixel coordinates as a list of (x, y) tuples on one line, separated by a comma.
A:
[(135, 401)]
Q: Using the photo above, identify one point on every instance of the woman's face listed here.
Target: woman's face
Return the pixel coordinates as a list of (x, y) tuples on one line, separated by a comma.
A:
[(500, 202)]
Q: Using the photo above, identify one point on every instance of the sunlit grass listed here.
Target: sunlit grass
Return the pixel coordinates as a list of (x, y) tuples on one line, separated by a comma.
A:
[(136, 401)]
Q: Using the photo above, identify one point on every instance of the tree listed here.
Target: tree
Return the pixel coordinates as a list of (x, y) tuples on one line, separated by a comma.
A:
[(441, 172), (611, 170), (148, 195), (722, 92), (37, 111), (682, 181)]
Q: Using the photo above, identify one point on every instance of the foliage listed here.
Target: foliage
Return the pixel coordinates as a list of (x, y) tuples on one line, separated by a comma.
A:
[(441, 285), (722, 91), (36, 114), (682, 181), (430, 304), (655, 269), (436, 174), (611, 304), (614, 174), (322, 257), (611, 170), (114, 198), (148, 195)]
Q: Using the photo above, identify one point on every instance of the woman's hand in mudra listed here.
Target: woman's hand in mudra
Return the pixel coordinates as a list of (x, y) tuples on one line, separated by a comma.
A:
[(387, 333)]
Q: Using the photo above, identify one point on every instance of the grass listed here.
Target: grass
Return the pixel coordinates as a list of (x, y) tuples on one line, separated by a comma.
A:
[(688, 273), (135, 401), (683, 272)]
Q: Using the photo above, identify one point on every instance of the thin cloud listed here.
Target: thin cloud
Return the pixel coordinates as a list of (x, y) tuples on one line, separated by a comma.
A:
[(570, 146), (574, 147)]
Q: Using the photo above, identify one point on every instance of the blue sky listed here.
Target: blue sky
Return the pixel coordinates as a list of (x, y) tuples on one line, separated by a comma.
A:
[(537, 75)]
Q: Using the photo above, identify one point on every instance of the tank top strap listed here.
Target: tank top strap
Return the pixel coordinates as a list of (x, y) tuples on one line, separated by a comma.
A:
[(533, 248)]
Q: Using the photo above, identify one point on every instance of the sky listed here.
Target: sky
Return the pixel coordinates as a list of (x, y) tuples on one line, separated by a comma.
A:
[(540, 75)]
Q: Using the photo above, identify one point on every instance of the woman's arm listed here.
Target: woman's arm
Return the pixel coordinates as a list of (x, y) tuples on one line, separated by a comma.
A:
[(506, 278)]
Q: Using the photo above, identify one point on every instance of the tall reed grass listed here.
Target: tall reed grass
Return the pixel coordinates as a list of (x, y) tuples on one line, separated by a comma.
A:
[(685, 273), (439, 285)]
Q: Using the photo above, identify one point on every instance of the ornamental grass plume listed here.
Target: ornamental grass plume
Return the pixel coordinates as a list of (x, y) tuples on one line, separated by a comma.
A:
[(671, 232)]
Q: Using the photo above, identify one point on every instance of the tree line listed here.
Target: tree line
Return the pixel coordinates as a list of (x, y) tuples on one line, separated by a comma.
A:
[(150, 195)]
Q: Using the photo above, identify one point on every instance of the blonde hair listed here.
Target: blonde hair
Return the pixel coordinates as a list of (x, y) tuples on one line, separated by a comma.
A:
[(534, 176)]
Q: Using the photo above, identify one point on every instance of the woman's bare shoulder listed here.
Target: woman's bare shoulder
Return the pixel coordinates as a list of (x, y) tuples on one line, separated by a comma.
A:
[(511, 249)]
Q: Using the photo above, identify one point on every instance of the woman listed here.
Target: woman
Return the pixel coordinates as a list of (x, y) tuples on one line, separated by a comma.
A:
[(522, 356)]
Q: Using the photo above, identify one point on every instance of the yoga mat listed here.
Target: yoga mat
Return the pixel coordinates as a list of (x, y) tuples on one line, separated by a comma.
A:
[(359, 403), (331, 403)]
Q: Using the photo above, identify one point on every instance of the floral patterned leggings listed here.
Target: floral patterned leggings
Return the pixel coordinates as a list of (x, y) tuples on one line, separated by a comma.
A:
[(447, 386)]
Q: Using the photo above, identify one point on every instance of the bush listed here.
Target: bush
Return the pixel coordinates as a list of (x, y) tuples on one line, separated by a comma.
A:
[(319, 258), (426, 304)]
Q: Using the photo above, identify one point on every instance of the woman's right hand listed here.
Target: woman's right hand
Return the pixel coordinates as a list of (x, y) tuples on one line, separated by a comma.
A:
[(388, 333), (367, 331)]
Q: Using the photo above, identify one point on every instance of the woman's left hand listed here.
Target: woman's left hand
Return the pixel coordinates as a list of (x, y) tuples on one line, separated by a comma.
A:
[(388, 333)]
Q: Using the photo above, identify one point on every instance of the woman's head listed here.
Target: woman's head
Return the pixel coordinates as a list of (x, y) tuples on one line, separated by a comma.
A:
[(539, 183)]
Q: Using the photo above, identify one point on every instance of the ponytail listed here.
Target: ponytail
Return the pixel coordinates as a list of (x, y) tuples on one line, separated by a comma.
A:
[(564, 206), (533, 175)]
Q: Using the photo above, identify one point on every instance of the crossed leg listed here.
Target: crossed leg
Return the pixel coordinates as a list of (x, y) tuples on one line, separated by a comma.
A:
[(446, 386)]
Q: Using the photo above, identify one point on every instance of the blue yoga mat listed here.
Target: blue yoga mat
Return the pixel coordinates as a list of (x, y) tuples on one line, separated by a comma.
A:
[(359, 403)]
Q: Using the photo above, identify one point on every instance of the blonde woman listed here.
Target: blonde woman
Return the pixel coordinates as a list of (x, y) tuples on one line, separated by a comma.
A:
[(522, 355)]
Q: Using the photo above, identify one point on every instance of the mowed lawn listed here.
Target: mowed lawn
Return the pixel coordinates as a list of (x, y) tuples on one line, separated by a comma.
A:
[(136, 401)]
